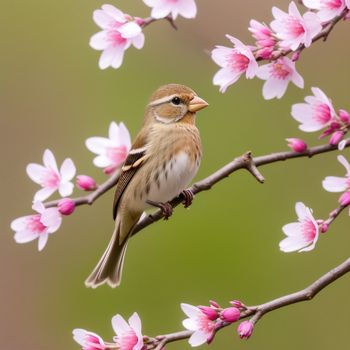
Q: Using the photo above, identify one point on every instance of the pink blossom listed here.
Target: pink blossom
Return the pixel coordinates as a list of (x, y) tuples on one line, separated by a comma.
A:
[(112, 151), (38, 226), (211, 313), (316, 113), (245, 329), (202, 326), (344, 116), (327, 9), (173, 8), (265, 39), (278, 74), (88, 340), (302, 235), (128, 335), (297, 145), (294, 29), (336, 183), (230, 314), (234, 62), (119, 32), (66, 206), (86, 183), (50, 178)]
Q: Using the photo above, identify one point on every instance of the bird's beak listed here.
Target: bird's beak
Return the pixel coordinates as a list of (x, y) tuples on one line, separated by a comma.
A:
[(197, 104)]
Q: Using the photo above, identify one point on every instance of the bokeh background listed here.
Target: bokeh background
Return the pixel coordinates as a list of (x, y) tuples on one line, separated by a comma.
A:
[(225, 246)]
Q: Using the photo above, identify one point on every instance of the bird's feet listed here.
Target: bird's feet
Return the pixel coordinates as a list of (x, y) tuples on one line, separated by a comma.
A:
[(166, 208), (187, 197)]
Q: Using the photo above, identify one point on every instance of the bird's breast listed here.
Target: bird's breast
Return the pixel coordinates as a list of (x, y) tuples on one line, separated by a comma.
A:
[(172, 177)]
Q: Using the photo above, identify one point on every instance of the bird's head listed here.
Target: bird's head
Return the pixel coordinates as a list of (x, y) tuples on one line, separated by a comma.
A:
[(172, 103)]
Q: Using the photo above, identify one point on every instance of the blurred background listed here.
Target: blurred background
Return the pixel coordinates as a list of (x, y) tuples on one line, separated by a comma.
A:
[(53, 95)]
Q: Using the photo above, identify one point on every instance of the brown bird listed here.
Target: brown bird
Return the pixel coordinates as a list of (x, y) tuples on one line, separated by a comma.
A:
[(161, 163)]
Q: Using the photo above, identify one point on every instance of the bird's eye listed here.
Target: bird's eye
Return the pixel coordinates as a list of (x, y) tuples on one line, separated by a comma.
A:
[(176, 101)]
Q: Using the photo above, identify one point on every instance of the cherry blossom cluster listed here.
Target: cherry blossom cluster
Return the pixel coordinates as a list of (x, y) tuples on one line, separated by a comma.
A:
[(202, 321), (317, 113), (120, 30), (303, 234), (288, 33), (111, 153)]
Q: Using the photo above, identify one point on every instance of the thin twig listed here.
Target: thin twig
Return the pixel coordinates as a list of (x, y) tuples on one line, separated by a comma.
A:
[(257, 312)]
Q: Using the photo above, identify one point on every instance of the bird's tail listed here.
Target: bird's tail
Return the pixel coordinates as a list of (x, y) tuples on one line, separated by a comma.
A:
[(109, 268)]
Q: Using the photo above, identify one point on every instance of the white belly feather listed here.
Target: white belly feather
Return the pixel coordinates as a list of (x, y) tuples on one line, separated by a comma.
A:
[(179, 175)]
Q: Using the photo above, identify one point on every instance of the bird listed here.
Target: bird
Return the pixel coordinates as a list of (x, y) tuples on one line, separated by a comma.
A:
[(162, 161)]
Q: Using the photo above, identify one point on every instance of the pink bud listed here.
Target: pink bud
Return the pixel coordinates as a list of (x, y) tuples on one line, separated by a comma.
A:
[(245, 329), (335, 125), (344, 116), (139, 21), (238, 304), (231, 314), (213, 303), (326, 133), (297, 145), (324, 227), (209, 312), (295, 56), (66, 206), (86, 183), (344, 199), (336, 138), (265, 53)]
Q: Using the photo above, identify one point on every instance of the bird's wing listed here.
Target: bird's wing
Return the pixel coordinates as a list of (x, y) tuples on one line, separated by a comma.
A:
[(133, 162)]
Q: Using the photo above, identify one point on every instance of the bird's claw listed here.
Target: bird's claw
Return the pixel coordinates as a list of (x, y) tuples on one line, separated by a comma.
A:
[(166, 208), (188, 198)]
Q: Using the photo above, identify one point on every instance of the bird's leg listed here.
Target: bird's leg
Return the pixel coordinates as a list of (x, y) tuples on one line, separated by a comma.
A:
[(188, 197), (166, 208)]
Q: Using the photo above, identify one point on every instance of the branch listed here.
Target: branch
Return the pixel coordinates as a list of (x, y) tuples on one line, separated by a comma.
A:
[(255, 312), (243, 162)]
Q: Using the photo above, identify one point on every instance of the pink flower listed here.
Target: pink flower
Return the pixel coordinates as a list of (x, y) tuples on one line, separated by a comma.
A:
[(86, 183), (211, 313), (336, 183), (316, 113), (336, 137), (230, 314), (202, 326), (294, 29), (278, 74), (327, 9), (344, 115), (119, 32), (37, 226), (297, 145), (50, 178), (88, 340), (234, 62), (265, 39), (302, 235), (128, 336), (164, 8), (111, 151), (245, 329), (66, 206)]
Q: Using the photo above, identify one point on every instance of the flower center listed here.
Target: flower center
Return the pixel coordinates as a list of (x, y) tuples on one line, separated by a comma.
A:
[(116, 155), (50, 179), (35, 225), (331, 4), (309, 230), (279, 71), (294, 27), (322, 113), (238, 62), (205, 324), (128, 340), (114, 36)]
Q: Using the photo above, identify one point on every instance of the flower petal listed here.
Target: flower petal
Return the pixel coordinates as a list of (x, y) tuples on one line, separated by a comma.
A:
[(335, 184), (129, 30), (67, 170), (42, 241), (44, 194), (135, 322), (49, 160), (97, 145), (198, 338), (36, 172), (190, 310), (25, 236), (66, 189), (119, 325)]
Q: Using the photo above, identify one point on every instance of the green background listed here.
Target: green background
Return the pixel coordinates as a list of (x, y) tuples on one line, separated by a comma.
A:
[(53, 95)]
